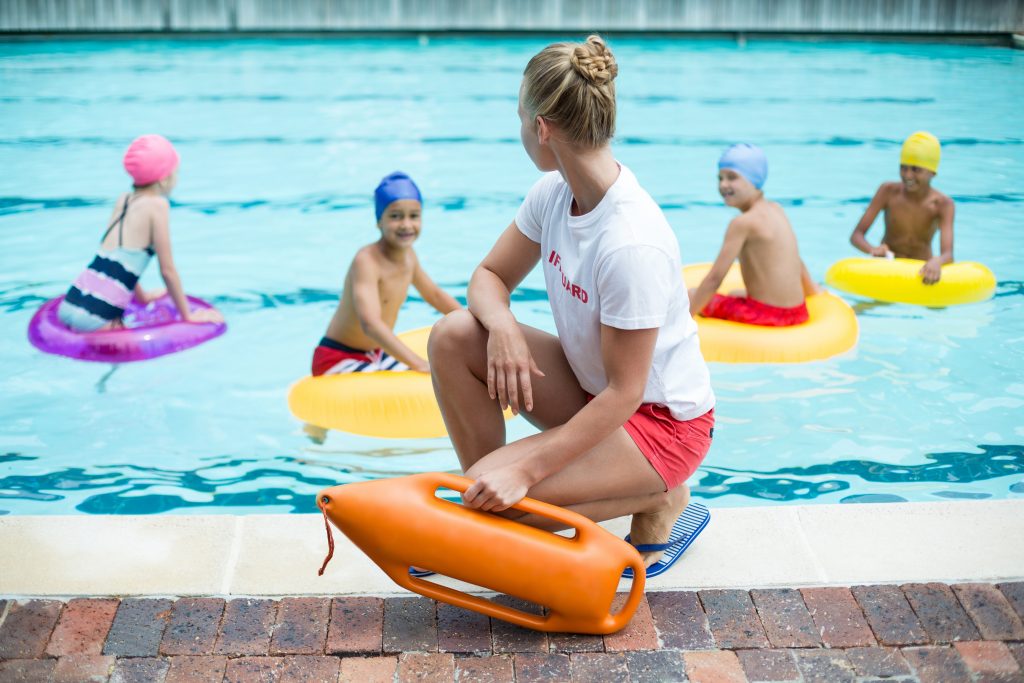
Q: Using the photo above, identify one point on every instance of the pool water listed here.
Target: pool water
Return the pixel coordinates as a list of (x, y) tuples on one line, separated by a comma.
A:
[(282, 143)]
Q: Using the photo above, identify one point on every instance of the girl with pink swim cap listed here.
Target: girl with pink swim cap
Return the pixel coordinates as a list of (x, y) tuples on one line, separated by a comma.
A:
[(139, 228)]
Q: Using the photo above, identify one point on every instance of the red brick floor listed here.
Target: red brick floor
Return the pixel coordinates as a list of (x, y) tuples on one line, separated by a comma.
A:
[(916, 632)]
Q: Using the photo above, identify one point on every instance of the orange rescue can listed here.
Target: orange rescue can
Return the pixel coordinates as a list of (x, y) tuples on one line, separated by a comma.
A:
[(401, 522)]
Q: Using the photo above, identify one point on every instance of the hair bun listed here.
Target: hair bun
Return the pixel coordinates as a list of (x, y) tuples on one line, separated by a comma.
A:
[(594, 61)]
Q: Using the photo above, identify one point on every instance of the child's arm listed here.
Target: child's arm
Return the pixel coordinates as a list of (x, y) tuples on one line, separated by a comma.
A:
[(858, 239), (366, 297), (162, 247), (807, 282), (932, 269), (735, 236), (144, 297), (441, 300)]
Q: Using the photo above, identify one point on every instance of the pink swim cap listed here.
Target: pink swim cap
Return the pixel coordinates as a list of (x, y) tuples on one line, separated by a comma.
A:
[(150, 158)]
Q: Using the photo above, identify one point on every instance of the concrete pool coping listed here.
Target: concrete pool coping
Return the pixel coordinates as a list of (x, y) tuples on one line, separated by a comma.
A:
[(278, 555)]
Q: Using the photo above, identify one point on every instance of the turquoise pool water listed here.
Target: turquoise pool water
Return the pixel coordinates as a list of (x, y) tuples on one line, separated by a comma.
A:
[(282, 144)]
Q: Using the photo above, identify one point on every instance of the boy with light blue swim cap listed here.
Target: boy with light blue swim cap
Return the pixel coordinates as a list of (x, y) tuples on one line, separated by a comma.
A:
[(914, 211), (747, 160), (762, 239), (360, 336)]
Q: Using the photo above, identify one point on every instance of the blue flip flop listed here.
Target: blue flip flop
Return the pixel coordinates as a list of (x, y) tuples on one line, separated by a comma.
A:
[(420, 573), (693, 520)]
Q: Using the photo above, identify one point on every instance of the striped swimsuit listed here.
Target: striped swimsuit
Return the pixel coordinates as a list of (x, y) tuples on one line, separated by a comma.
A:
[(105, 288)]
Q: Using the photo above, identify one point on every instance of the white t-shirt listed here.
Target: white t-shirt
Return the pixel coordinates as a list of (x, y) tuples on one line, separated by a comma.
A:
[(618, 265)]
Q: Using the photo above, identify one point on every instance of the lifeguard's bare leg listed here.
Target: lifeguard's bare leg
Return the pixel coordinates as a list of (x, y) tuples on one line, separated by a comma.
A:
[(611, 480)]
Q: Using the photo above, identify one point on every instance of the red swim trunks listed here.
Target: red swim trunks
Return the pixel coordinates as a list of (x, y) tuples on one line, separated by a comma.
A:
[(743, 309), (333, 358)]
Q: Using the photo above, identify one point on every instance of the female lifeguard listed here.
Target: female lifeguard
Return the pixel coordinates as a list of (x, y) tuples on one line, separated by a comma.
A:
[(622, 394)]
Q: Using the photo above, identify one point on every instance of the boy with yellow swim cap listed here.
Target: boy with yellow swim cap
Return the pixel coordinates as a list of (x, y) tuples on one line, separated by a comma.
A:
[(914, 210)]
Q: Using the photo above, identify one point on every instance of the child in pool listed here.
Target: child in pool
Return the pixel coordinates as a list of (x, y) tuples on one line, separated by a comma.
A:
[(360, 336), (140, 227), (761, 237), (914, 210)]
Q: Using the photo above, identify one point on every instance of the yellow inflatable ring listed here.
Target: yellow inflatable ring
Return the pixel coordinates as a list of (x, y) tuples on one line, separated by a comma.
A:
[(395, 405), (831, 330), (899, 281)]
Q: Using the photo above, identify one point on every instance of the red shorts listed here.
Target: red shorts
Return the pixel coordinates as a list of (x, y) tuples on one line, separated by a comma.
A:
[(743, 309), (675, 448)]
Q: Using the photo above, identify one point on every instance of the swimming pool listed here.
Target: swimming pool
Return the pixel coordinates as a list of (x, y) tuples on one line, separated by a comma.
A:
[(282, 143)]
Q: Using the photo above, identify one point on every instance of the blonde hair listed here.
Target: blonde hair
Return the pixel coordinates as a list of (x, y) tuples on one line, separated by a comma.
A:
[(571, 85)]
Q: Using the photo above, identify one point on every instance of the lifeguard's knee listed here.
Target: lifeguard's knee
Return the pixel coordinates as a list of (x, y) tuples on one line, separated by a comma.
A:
[(453, 335)]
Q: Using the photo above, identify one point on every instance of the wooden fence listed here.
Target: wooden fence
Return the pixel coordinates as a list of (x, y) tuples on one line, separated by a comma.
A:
[(783, 16)]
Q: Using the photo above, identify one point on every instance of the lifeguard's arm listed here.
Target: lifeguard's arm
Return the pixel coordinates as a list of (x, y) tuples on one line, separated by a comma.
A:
[(858, 237), (931, 272), (162, 246), (626, 355), (441, 300), (735, 236), (366, 296), (509, 362)]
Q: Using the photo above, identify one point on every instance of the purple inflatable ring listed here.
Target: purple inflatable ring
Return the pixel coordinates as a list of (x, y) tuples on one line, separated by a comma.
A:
[(150, 331)]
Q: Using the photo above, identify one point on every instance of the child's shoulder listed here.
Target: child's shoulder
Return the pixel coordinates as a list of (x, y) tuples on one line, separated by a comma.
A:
[(152, 202), (941, 198), (890, 188), (371, 254)]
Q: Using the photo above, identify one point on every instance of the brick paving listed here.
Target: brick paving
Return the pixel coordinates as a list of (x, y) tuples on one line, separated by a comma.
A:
[(912, 633)]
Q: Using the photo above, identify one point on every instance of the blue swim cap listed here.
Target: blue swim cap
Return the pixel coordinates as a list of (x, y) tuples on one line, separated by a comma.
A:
[(394, 187), (747, 160)]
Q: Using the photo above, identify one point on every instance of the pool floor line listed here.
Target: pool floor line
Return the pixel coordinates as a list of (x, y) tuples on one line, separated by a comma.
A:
[(278, 555)]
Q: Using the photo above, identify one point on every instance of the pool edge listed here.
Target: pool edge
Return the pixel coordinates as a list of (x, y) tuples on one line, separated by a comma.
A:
[(278, 555)]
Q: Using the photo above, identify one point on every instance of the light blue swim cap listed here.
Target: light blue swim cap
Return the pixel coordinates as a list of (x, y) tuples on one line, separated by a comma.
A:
[(392, 188), (747, 160)]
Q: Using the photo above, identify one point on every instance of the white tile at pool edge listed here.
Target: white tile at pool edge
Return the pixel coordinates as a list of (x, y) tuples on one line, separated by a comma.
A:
[(749, 547), (280, 555), (900, 542), (114, 555), (755, 547)]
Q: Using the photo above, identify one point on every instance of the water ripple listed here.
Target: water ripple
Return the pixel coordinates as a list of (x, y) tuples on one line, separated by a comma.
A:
[(334, 203), (392, 139), (805, 483), (129, 489)]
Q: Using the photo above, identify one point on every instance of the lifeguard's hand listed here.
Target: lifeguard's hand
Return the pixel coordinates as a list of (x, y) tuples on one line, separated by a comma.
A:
[(497, 490), (881, 250), (509, 369), (931, 271), (420, 366), (205, 315)]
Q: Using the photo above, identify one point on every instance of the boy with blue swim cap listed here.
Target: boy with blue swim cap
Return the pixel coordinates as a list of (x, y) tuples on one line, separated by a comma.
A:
[(914, 211), (762, 239), (360, 336)]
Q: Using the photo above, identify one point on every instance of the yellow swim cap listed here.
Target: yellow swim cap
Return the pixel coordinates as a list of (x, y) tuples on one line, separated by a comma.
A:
[(921, 149)]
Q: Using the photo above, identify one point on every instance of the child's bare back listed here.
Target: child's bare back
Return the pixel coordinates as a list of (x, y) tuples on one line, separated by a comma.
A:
[(769, 259), (763, 241)]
